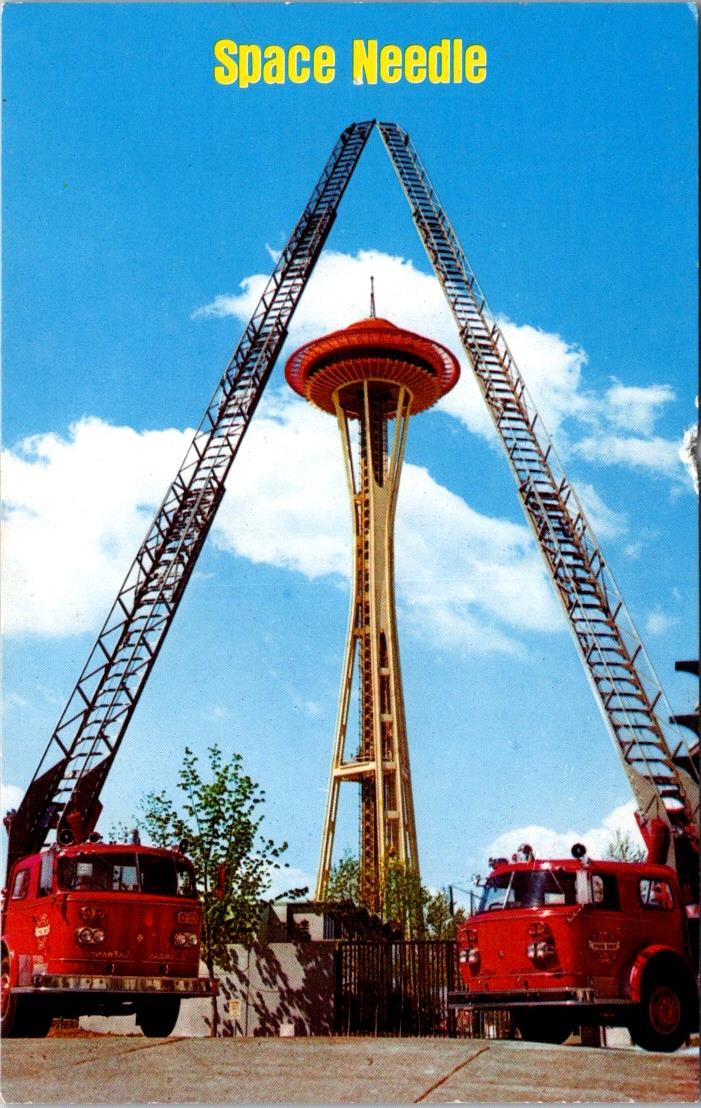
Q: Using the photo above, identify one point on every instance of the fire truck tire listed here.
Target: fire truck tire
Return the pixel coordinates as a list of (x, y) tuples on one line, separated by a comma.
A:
[(21, 1017), (33, 1020), (662, 1020), (8, 1003), (158, 1017), (543, 1027)]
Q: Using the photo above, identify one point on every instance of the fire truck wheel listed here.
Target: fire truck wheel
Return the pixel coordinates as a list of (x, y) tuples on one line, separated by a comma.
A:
[(543, 1027), (33, 1019), (158, 1017), (8, 1000), (661, 1020), (22, 1017)]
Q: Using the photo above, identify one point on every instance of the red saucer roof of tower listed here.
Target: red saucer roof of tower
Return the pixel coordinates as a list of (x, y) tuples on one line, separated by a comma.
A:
[(372, 350)]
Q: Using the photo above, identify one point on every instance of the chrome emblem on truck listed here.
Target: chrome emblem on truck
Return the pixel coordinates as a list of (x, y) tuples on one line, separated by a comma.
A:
[(605, 945)]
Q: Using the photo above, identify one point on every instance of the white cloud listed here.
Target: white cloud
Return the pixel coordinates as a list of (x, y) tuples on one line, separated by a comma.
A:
[(548, 843), (10, 797), (659, 622), (286, 503), (553, 368), (464, 579), (310, 708), (689, 454), (606, 523), (636, 408), (338, 293), (455, 567), (74, 507), (78, 508), (216, 713), (656, 455), (14, 700)]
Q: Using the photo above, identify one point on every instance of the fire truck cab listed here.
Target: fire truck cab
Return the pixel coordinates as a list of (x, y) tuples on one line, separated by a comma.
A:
[(561, 943), (103, 929)]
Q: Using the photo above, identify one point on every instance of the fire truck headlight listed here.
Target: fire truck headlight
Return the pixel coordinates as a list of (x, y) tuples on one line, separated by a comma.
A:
[(184, 938), (540, 952), (89, 936), (470, 956)]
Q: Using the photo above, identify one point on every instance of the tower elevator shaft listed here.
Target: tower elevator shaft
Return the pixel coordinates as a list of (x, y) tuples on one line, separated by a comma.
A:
[(381, 761)]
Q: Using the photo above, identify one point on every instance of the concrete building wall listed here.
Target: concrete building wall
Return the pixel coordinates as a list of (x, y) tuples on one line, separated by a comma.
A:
[(272, 989)]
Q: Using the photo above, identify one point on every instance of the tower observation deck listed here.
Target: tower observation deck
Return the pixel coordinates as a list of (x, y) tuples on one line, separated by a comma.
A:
[(373, 376)]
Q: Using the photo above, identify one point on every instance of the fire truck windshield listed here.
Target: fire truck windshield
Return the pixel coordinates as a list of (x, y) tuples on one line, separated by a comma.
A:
[(126, 873), (527, 889)]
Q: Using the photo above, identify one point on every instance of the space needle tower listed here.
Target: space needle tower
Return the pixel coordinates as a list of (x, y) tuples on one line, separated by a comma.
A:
[(372, 376)]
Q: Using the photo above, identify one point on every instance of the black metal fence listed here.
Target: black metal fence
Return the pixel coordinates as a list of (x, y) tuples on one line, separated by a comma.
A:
[(401, 988)]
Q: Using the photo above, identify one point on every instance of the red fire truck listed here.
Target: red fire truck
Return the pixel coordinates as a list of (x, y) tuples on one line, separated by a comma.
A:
[(100, 929), (570, 942)]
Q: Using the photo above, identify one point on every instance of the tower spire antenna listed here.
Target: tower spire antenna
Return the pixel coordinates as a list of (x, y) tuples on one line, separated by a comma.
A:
[(372, 297)]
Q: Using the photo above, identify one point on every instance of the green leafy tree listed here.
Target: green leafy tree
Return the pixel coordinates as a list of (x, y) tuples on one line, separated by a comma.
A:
[(120, 833), (220, 816), (344, 879), (404, 897), (623, 848), (441, 923)]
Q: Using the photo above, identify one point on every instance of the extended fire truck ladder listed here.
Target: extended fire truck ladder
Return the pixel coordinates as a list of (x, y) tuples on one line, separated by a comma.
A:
[(65, 795), (81, 750), (663, 779)]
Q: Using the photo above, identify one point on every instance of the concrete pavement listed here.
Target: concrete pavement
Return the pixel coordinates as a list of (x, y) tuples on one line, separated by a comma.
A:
[(133, 1070)]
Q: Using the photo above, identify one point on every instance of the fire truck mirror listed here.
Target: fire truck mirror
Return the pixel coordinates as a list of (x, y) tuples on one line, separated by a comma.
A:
[(583, 887), (21, 885), (46, 874)]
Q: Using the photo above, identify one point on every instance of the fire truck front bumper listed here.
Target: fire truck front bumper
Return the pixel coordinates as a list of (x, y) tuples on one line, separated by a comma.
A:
[(571, 998), (56, 983)]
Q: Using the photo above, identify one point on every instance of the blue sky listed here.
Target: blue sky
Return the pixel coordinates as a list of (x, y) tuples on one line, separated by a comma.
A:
[(141, 203)]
